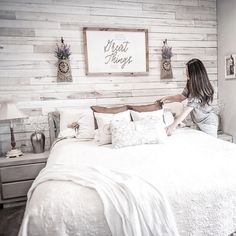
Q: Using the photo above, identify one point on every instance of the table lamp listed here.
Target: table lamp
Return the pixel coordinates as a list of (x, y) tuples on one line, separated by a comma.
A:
[(9, 111)]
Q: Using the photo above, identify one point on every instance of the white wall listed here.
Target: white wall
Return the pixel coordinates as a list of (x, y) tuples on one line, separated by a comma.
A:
[(30, 29), (226, 15)]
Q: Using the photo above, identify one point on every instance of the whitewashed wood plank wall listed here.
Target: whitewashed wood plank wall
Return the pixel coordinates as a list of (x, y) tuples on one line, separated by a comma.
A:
[(30, 29)]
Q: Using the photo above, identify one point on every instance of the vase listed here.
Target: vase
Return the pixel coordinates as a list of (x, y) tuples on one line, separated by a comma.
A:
[(38, 141), (64, 71), (166, 69)]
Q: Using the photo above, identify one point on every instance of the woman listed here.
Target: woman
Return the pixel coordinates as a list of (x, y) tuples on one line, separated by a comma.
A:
[(199, 93)]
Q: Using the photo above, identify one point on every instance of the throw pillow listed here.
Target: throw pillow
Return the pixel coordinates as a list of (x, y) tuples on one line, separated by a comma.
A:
[(151, 115), (146, 131), (84, 120), (104, 121), (107, 110), (146, 108)]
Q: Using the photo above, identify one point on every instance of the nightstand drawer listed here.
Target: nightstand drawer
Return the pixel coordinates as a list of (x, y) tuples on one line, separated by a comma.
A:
[(22, 172), (15, 189)]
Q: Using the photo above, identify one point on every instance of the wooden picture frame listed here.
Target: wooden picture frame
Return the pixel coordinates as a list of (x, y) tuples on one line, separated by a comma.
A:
[(230, 66), (116, 51)]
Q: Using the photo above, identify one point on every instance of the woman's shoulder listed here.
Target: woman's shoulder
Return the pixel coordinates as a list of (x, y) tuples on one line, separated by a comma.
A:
[(197, 103), (194, 99)]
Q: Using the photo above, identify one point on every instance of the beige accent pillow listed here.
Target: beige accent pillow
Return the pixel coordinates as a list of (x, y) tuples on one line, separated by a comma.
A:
[(109, 110), (146, 108)]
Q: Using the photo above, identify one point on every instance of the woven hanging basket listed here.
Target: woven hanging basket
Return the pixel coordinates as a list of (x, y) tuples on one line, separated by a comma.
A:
[(166, 69), (64, 71)]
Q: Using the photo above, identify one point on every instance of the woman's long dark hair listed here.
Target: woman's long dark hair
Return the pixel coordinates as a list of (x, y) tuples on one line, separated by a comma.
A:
[(198, 84)]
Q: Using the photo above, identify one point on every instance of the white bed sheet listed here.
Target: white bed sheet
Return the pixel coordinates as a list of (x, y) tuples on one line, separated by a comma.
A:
[(194, 170)]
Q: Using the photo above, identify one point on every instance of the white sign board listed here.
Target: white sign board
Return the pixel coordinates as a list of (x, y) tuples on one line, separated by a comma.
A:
[(116, 51)]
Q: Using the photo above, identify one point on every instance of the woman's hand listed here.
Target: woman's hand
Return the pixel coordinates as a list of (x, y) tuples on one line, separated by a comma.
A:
[(164, 99), (170, 129), (174, 98)]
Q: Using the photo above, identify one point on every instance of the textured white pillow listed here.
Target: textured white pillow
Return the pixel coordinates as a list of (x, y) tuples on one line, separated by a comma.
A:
[(104, 121), (150, 115), (145, 131), (85, 119)]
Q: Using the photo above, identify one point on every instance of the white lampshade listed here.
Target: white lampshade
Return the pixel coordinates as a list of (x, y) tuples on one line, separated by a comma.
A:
[(9, 111)]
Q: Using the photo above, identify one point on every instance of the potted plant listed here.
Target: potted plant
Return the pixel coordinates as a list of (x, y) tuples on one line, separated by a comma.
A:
[(63, 53), (166, 68)]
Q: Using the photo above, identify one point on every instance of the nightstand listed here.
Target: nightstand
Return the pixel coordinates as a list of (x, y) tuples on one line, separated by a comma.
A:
[(225, 137), (17, 176)]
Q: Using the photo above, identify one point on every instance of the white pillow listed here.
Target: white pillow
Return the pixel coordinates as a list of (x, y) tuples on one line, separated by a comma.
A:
[(175, 107), (145, 131), (85, 119), (104, 121), (150, 114), (96, 136), (168, 117)]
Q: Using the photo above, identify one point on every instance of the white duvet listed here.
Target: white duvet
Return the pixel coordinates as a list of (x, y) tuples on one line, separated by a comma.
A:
[(196, 172)]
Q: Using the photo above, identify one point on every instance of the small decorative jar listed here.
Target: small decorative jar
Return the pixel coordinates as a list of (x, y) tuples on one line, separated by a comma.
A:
[(38, 141)]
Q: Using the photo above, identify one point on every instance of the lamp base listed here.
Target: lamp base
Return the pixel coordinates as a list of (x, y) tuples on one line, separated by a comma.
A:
[(14, 153)]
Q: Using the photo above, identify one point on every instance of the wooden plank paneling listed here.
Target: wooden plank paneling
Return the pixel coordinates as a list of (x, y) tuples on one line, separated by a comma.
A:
[(30, 29)]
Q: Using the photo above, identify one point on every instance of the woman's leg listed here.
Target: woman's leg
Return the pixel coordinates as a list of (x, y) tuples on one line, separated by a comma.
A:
[(211, 125)]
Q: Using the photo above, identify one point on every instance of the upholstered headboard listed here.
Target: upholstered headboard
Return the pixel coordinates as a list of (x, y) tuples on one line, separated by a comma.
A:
[(54, 125)]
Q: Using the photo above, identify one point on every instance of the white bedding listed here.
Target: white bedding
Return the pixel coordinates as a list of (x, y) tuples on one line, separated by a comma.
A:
[(194, 170)]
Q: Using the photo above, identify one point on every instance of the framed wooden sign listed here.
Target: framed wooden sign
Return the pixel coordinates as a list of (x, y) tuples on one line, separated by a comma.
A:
[(111, 51)]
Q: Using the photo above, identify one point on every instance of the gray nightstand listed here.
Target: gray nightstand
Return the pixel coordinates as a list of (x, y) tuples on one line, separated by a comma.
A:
[(225, 137), (17, 175)]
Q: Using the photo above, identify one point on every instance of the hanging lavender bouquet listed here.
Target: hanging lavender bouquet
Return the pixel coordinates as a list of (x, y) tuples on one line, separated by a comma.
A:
[(166, 51), (63, 51)]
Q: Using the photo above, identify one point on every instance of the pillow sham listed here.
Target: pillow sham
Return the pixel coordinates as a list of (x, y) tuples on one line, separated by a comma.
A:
[(104, 121), (151, 115), (146, 108), (83, 117), (145, 131), (175, 107), (168, 117), (107, 110)]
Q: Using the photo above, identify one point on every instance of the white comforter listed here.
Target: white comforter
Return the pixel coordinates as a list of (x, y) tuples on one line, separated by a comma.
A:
[(132, 206), (195, 171)]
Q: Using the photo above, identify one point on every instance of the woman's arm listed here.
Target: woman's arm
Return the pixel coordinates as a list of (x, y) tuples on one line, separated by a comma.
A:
[(174, 98), (170, 129)]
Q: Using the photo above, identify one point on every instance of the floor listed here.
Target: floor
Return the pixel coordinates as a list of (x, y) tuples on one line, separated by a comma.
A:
[(10, 220)]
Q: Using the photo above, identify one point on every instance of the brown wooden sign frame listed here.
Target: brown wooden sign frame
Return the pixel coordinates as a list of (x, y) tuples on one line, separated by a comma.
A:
[(116, 55)]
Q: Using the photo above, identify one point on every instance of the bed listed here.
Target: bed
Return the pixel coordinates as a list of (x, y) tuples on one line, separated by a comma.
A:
[(195, 171)]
